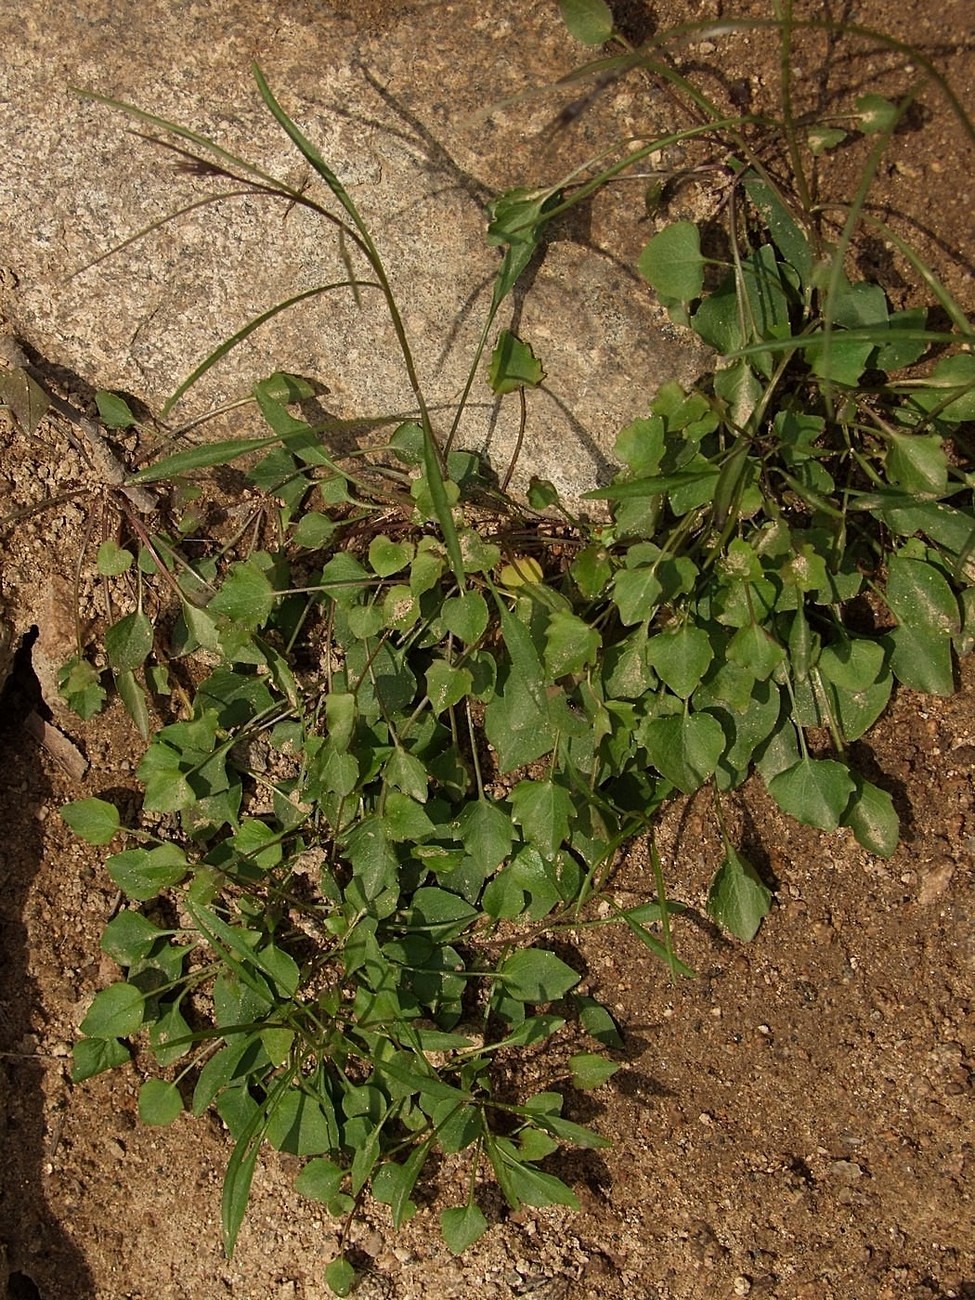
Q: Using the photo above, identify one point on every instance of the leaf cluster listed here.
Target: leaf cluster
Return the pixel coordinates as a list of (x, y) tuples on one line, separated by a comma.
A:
[(412, 723)]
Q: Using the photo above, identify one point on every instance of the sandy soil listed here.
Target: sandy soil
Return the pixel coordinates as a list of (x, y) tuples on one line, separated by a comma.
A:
[(797, 1123)]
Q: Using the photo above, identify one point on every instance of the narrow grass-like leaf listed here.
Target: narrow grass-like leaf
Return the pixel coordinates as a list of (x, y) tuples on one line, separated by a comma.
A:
[(202, 457)]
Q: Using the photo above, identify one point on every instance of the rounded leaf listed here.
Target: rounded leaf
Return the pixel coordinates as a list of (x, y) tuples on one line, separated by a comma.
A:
[(672, 262), (465, 616), (340, 1276), (159, 1102), (95, 820), (814, 791), (461, 1226), (116, 1012), (589, 21)]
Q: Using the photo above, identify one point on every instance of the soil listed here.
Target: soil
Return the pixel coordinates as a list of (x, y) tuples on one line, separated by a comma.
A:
[(795, 1123)]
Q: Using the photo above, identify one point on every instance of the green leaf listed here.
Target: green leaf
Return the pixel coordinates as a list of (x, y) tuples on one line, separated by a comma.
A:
[(372, 856), (564, 1129), (589, 21), (753, 648), (212, 453), (128, 642), (343, 579), (313, 531), (320, 1180), (441, 915), (681, 658), (571, 645), (523, 1184), (461, 1226), (169, 1035), (487, 834), (738, 898), (134, 699), (517, 725), (27, 400), (597, 1021), (789, 238), (302, 1125), (536, 975), (79, 686), (243, 1160), (115, 1012), (340, 1276), (247, 596), (542, 493), (904, 350), (465, 616), (921, 658), (921, 597), (853, 665), (405, 772), (876, 113), (542, 809), (425, 571), (917, 462), (814, 791), (823, 138), (129, 936), (91, 1056), (841, 360), (685, 748), (113, 410), (589, 1070), (768, 293), (635, 593), (513, 365), (393, 1183), (407, 442), (591, 570), (405, 821), (141, 874), (951, 373), (872, 817), (446, 685), (340, 713), (159, 1102), (672, 263), (113, 559), (387, 557), (95, 820)]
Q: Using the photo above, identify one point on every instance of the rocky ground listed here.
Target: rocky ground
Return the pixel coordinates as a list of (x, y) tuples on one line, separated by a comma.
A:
[(796, 1123)]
